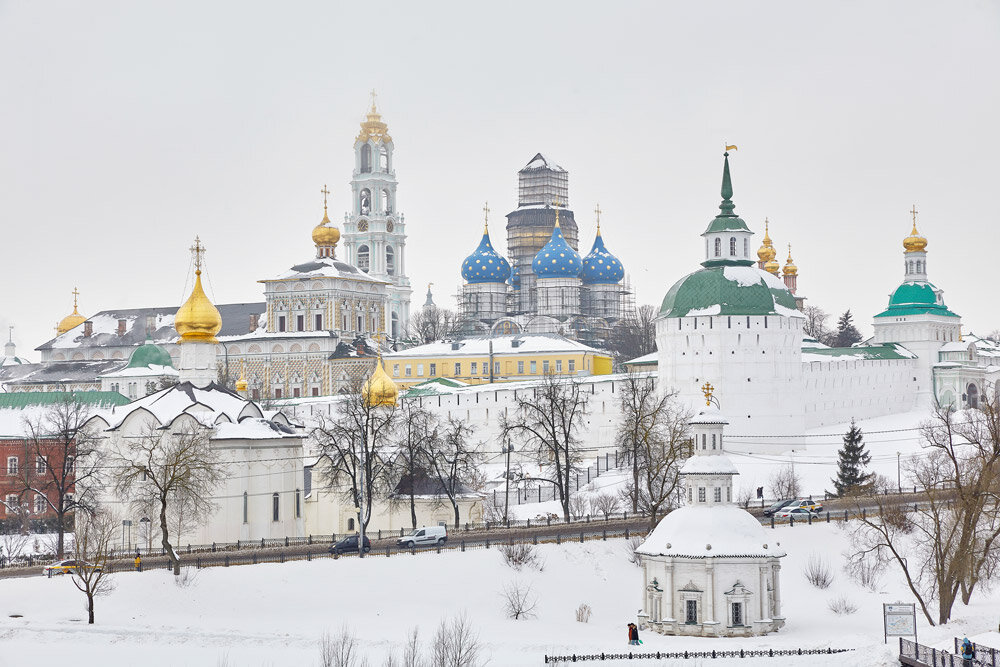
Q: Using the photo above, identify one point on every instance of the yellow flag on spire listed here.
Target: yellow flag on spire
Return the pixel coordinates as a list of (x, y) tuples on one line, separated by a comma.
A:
[(730, 148)]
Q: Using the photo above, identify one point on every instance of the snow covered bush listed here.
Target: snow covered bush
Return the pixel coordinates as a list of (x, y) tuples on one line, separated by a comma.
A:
[(818, 572), (604, 503), (577, 506), (785, 483), (842, 606), (340, 650), (456, 644), (630, 546), (518, 601), (583, 613), (866, 569), (187, 577), (518, 555)]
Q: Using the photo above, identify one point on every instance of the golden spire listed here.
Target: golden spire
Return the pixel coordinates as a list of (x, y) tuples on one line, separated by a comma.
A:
[(325, 237), (241, 384), (597, 212), (379, 390), (486, 218), (790, 268), (766, 252), (707, 389), (373, 127), (198, 320), (72, 320), (914, 242), (555, 205)]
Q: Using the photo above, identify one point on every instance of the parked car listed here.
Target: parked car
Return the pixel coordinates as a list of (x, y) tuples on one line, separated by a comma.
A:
[(68, 567), (425, 535), (778, 505), (796, 513), (349, 545)]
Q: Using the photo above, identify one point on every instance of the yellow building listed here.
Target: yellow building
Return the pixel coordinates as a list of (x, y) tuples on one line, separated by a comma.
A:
[(497, 359)]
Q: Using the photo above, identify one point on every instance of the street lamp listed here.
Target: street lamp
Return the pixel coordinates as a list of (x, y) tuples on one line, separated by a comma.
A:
[(899, 480), (149, 535)]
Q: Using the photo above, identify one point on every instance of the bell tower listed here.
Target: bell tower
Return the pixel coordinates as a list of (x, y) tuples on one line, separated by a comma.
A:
[(374, 229)]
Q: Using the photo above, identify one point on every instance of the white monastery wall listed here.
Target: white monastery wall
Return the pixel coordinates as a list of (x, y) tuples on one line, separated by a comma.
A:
[(835, 392)]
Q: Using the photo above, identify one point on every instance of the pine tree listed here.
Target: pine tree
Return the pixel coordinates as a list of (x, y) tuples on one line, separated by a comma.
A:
[(854, 458), (847, 333)]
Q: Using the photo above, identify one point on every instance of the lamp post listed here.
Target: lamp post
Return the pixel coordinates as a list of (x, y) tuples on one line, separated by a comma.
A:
[(899, 479), (149, 535)]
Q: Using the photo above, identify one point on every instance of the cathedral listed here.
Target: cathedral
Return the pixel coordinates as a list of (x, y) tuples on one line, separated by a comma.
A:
[(545, 286)]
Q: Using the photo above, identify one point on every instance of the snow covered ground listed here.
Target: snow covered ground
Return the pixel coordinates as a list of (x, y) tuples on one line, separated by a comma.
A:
[(275, 614)]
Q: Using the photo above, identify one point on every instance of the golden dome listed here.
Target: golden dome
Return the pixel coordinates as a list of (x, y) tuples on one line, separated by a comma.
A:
[(72, 320), (772, 266), (766, 253), (241, 384), (323, 235), (198, 320), (374, 127), (914, 242), (790, 268), (379, 389)]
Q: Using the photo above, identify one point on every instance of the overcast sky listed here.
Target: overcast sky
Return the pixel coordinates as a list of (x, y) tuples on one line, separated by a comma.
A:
[(127, 128)]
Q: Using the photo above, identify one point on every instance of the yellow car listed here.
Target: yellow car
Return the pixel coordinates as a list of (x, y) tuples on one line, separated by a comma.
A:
[(68, 567)]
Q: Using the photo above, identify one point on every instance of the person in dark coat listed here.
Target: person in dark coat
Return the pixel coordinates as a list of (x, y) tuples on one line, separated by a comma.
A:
[(968, 652), (633, 634)]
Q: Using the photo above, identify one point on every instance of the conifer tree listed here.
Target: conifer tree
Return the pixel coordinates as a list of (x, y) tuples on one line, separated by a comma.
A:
[(847, 333), (854, 458)]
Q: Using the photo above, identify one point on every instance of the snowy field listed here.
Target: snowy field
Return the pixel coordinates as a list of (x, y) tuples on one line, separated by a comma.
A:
[(275, 614)]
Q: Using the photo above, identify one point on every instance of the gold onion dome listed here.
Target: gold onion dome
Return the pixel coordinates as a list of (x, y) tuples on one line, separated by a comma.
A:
[(72, 320), (914, 242), (241, 384), (198, 320), (766, 253), (790, 268), (323, 235), (772, 266), (379, 389), (374, 127)]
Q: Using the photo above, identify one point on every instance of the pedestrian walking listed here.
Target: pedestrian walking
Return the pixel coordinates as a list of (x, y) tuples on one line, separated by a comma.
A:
[(968, 652), (633, 635), (138, 563)]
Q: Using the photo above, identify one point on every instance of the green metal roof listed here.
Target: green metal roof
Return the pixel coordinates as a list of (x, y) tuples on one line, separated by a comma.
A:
[(727, 220), (915, 298), (149, 354), (23, 399), (746, 291), (872, 352), (434, 386)]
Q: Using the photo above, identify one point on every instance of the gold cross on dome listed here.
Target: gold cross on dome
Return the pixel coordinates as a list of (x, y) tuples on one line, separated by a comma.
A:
[(707, 389), (372, 93), (486, 213), (325, 192), (75, 293), (198, 249), (914, 212), (597, 212)]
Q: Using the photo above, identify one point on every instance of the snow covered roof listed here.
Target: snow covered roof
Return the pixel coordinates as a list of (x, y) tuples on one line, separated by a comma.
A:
[(644, 360), (142, 371), (701, 464), (729, 290), (68, 372), (210, 405), (857, 353), (540, 161), (710, 531), (325, 267), (253, 428), (479, 347), (708, 414)]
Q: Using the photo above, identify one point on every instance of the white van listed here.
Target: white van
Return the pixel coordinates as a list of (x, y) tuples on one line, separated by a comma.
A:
[(425, 535)]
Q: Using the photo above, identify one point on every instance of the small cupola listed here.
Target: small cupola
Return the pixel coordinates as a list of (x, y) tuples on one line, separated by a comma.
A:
[(727, 238)]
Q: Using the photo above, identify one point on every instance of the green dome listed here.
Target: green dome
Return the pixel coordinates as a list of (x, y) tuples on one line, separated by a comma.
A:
[(728, 290), (915, 298), (149, 354)]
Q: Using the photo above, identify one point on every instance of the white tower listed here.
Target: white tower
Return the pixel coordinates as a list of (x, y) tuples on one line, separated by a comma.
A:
[(374, 229), (198, 322)]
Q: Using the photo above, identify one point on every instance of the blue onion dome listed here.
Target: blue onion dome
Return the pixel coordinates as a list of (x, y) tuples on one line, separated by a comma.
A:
[(515, 277), (600, 266), (485, 265), (556, 259)]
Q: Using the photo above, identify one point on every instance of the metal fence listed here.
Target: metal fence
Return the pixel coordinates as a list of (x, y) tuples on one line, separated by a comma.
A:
[(524, 495), (917, 655), (661, 655)]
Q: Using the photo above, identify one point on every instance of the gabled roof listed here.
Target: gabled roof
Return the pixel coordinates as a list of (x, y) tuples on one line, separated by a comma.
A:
[(63, 372), (209, 405), (325, 267)]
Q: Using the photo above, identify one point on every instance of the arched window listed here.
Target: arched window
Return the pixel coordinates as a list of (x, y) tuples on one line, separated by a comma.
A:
[(246, 506), (746, 247), (718, 247), (732, 246), (395, 325), (366, 159), (350, 524), (390, 260), (386, 202), (972, 395), (383, 160), (365, 202), (363, 259), (274, 507)]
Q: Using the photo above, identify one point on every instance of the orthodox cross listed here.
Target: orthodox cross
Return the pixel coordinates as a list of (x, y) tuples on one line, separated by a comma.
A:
[(372, 93), (707, 389), (76, 293), (325, 193), (597, 211), (486, 213), (914, 212), (198, 249), (555, 205)]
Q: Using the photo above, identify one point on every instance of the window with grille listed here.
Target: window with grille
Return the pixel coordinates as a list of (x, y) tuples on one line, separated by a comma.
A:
[(274, 507), (12, 465)]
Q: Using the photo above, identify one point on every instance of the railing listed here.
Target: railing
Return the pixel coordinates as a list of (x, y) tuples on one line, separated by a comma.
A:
[(579, 479), (661, 655), (917, 655)]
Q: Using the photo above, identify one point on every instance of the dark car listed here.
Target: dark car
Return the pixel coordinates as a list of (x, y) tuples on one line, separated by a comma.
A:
[(778, 506), (349, 545)]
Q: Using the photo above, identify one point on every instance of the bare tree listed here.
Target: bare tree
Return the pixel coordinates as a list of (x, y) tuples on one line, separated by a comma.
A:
[(946, 544), (518, 600), (654, 438), (547, 420), (634, 335), (412, 439), (816, 325), (14, 531), (604, 503), (452, 462), (340, 650), (355, 443), (62, 463), (456, 644), (94, 532), (432, 323), (785, 483), (169, 468)]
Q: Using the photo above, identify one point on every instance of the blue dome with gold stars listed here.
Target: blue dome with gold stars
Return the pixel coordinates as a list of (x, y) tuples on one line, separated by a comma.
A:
[(600, 266), (556, 259), (485, 265)]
